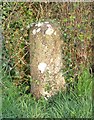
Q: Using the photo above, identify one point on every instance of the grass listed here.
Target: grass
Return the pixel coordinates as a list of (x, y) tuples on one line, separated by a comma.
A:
[(76, 104)]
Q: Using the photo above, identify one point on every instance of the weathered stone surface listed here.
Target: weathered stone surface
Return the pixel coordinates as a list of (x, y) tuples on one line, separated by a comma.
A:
[(46, 59)]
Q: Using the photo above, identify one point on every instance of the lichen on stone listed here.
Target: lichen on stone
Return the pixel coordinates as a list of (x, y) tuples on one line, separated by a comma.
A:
[(46, 59)]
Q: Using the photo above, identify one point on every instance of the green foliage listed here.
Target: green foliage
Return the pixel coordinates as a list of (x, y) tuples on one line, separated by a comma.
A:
[(74, 19), (76, 104)]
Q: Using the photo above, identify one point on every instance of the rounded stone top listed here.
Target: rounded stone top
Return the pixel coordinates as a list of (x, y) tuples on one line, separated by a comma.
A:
[(47, 28)]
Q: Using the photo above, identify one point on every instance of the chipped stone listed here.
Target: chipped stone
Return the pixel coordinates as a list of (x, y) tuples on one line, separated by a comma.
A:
[(46, 95), (55, 33), (7, 41), (47, 22), (38, 29), (36, 25), (42, 67), (34, 31), (48, 25), (49, 31), (51, 60), (39, 24)]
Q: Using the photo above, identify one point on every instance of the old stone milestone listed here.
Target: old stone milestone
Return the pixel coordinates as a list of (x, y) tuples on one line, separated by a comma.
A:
[(46, 59)]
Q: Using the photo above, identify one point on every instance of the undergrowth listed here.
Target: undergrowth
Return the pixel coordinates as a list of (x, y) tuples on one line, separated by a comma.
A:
[(74, 104)]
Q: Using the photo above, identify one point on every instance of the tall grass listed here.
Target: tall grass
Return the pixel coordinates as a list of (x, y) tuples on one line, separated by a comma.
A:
[(76, 104)]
